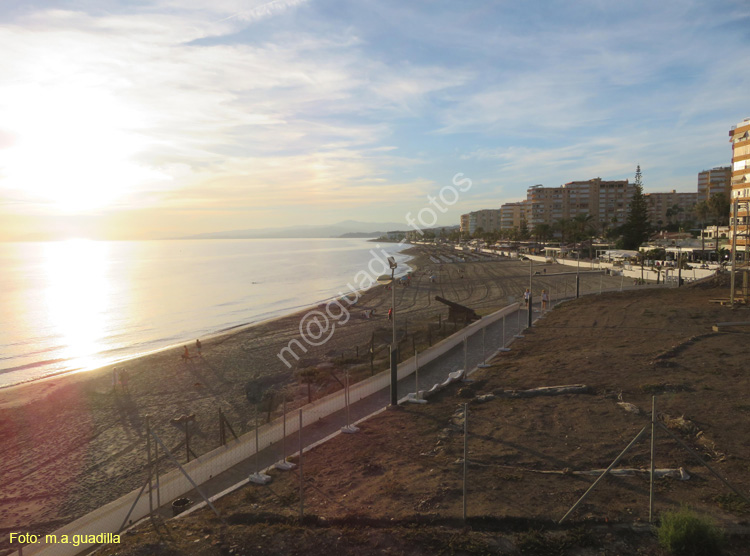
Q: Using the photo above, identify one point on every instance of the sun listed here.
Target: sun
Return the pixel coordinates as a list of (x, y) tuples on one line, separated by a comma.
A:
[(74, 148)]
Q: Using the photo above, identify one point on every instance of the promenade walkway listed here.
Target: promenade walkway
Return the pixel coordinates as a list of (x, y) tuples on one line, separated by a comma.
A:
[(430, 374)]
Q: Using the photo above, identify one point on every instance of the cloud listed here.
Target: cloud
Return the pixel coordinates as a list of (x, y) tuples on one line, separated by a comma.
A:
[(342, 105)]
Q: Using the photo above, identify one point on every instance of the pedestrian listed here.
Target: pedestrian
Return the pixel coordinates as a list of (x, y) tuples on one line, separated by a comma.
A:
[(124, 381), (526, 296), (186, 353), (198, 346), (545, 299), (390, 313)]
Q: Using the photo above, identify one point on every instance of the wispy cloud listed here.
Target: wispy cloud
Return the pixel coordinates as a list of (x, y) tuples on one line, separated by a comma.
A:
[(331, 104)]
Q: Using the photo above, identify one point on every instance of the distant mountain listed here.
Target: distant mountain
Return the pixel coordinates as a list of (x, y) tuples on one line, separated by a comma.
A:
[(347, 228), (356, 235)]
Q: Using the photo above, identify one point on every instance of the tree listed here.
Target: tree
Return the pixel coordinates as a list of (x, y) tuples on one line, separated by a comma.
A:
[(309, 376), (524, 231), (562, 226), (673, 213), (701, 210), (718, 206), (636, 228), (542, 232)]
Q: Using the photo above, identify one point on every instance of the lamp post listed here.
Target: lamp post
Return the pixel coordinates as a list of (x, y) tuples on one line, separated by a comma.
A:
[(394, 346), (578, 271), (531, 272)]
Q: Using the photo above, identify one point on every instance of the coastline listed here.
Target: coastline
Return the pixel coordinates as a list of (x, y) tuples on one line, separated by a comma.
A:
[(74, 442), (23, 393), (282, 313)]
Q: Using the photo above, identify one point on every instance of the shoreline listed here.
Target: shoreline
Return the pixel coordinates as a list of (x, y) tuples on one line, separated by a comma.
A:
[(76, 441), (282, 314)]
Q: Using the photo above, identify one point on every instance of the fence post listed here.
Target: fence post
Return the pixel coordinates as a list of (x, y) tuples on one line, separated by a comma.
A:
[(653, 444), (518, 323), (466, 453), (258, 478), (301, 483), (150, 466), (349, 428), (284, 465), (503, 348), (484, 364), (466, 355), (416, 374)]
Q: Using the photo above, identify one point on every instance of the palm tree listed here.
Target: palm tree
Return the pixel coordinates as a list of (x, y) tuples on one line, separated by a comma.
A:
[(719, 206), (584, 227), (542, 232), (701, 210)]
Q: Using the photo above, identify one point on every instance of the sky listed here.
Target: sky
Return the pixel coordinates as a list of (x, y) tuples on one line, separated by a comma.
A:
[(138, 119)]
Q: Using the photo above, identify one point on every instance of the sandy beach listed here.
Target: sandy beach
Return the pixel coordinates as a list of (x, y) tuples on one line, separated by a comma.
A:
[(74, 442)]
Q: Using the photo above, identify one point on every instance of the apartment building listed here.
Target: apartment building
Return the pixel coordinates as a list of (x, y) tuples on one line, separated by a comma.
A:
[(669, 208), (605, 201), (716, 180), (511, 215), (487, 219), (739, 136)]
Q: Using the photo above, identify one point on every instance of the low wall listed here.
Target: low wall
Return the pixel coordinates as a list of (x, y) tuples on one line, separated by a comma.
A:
[(174, 484)]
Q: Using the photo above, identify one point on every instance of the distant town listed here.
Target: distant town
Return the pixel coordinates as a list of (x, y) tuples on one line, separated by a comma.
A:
[(601, 213)]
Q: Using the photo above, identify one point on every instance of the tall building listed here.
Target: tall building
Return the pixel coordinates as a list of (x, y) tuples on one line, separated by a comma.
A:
[(487, 219), (670, 208), (606, 201), (716, 180), (512, 214), (739, 136)]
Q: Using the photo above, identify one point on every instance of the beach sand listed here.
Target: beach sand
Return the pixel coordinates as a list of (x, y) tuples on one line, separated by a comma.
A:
[(73, 443)]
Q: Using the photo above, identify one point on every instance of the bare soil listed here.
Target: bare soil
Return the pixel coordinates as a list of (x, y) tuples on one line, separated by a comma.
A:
[(396, 486), (72, 443)]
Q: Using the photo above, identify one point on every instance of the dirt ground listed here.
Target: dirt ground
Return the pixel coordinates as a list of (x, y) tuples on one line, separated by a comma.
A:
[(73, 443), (396, 486)]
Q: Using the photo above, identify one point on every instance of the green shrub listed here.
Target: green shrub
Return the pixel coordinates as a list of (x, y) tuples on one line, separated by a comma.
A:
[(684, 533)]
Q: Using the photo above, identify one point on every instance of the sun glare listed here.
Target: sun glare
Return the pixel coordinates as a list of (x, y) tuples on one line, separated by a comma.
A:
[(77, 297), (74, 148)]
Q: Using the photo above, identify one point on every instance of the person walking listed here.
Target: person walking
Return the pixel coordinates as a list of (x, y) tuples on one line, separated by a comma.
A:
[(526, 296), (545, 299), (198, 346), (390, 313)]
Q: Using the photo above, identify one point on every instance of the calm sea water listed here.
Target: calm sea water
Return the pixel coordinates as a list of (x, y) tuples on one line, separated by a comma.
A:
[(76, 305)]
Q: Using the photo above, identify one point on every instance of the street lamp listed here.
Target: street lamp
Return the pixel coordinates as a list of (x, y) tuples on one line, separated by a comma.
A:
[(394, 346), (578, 271)]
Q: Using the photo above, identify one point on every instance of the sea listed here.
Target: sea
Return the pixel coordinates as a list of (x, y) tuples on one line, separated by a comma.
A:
[(76, 305)]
